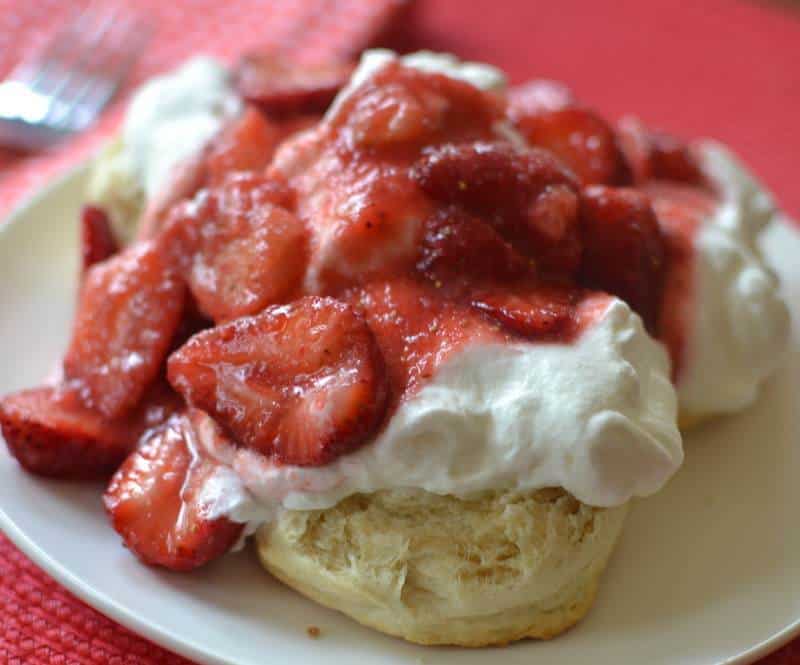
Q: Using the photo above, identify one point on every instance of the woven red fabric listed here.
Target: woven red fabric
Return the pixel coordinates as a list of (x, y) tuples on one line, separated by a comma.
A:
[(718, 67), (305, 29)]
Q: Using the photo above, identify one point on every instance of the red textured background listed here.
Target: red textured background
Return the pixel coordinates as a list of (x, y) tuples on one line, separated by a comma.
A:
[(722, 68)]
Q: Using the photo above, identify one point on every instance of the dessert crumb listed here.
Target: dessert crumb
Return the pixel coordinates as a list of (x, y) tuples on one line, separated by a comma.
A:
[(313, 632)]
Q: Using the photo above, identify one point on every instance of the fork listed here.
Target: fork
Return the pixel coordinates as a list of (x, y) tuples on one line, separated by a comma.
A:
[(64, 88)]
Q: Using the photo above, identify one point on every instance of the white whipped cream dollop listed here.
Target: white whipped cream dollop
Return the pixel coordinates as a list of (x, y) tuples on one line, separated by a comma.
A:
[(172, 116), (596, 416), (740, 324), (169, 119)]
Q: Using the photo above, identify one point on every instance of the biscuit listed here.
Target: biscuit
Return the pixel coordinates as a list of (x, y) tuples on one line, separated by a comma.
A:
[(487, 570)]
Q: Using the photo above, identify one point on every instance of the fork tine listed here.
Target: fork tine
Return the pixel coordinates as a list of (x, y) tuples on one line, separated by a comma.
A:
[(87, 51), (124, 48), (74, 75), (34, 72)]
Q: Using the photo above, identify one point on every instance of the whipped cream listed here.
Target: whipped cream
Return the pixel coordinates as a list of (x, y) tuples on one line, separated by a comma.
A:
[(740, 325), (172, 116), (596, 417)]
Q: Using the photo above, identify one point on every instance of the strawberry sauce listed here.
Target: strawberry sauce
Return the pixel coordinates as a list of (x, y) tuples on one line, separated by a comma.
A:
[(324, 278), (680, 210), (440, 232), (410, 214)]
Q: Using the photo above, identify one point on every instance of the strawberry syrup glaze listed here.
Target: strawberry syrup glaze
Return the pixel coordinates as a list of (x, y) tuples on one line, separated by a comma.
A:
[(439, 231), (344, 267), (680, 210)]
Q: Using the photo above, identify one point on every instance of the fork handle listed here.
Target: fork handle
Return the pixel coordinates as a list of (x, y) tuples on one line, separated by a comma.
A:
[(16, 133)]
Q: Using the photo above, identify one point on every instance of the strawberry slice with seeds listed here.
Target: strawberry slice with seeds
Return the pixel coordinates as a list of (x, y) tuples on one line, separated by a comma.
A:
[(53, 434), (543, 313), (582, 139), (418, 328), (302, 383), (156, 498), (97, 239), (624, 252), (487, 176), (457, 245), (239, 252), (527, 195), (129, 309), (281, 87)]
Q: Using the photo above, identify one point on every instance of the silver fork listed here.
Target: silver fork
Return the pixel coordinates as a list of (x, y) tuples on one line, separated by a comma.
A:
[(65, 87)]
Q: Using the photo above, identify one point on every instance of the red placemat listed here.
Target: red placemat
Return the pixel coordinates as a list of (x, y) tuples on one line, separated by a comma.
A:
[(721, 68), (306, 29)]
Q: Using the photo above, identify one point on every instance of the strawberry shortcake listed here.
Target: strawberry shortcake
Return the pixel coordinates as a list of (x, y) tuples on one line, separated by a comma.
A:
[(422, 337)]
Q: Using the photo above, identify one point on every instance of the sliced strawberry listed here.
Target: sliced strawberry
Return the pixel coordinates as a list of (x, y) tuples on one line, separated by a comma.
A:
[(129, 309), (582, 139), (403, 108), (527, 195), (247, 144), (97, 239), (302, 383), (538, 96), (487, 177), (239, 252), (53, 434), (390, 115), (543, 313), (458, 246), (657, 155), (634, 141), (673, 160), (156, 502), (282, 87), (623, 248), (418, 328), (551, 226)]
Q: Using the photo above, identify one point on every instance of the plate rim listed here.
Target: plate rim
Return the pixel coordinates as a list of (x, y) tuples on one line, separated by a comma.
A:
[(138, 624)]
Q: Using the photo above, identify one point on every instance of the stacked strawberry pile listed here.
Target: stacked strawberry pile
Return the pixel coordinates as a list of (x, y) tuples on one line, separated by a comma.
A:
[(305, 283)]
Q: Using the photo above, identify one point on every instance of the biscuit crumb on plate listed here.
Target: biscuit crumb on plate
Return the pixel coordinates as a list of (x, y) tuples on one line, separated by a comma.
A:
[(313, 632)]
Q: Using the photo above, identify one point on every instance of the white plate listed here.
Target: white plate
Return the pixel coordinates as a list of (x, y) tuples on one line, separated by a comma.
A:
[(707, 571)]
